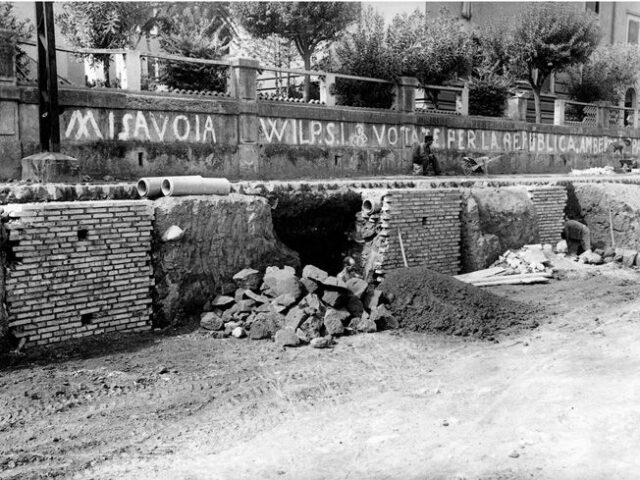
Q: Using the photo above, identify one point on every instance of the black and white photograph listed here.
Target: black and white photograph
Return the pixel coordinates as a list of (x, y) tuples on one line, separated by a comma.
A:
[(356, 240)]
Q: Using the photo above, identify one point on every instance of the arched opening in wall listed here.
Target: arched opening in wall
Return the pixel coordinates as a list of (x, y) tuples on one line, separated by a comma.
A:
[(629, 102)]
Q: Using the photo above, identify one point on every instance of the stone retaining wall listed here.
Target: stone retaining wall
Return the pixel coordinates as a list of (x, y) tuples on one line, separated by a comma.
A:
[(77, 269)]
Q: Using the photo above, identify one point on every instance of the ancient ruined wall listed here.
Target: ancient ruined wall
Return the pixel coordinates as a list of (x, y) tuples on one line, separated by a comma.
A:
[(77, 268), (428, 221), (222, 235), (549, 203)]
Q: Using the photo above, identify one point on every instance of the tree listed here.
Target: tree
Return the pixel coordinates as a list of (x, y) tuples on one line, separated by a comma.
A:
[(21, 31), (433, 50), (307, 24), (109, 25), (547, 39), (606, 75), (197, 31), (491, 78), (365, 52)]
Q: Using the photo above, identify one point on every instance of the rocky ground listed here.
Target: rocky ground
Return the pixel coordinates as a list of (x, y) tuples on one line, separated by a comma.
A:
[(555, 402)]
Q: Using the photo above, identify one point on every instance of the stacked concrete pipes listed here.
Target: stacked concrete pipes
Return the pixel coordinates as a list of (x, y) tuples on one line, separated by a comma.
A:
[(153, 187)]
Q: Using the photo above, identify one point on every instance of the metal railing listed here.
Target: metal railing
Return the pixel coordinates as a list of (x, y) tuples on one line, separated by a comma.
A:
[(569, 112)]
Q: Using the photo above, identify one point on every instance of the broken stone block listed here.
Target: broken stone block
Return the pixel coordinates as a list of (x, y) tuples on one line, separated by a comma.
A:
[(383, 318), (355, 306), (629, 257), (366, 324), (321, 342), (311, 303), (211, 321), (334, 321), (357, 286), (245, 305), (372, 298), (314, 273), (334, 283), (248, 279), (239, 294), (238, 332), (562, 247), (222, 301), (309, 285), (295, 318), (280, 281), (333, 298), (265, 325), (302, 335), (285, 300), (255, 297), (312, 327), (287, 338), (609, 252)]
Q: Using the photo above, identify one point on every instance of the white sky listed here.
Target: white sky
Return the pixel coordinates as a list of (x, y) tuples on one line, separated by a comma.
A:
[(391, 9)]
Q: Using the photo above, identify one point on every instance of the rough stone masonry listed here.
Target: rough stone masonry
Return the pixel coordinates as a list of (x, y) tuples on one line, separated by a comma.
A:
[(77, 269)]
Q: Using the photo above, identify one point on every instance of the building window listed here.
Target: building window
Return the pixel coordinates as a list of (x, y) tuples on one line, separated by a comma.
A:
[(593, 6), (633, 29)]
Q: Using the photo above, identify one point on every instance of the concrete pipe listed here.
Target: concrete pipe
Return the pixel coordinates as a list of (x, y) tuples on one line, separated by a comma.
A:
[(176, 186), (372, 204), (151, 187)]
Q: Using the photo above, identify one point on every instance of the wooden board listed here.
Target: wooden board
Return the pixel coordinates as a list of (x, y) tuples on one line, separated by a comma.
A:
[(479, 274)]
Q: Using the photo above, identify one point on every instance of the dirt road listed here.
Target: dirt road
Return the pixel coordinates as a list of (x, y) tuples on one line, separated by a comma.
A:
[(558, 402)]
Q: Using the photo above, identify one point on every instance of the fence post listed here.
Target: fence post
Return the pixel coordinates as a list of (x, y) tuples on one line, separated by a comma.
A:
[(635, 118), (559, 108), (8, 74), (326, 96), (405, 94), (517, 107), (462, 100), (242, 86), (134, 71), (602, 119)]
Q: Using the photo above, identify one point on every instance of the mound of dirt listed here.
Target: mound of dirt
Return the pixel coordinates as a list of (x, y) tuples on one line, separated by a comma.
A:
[(427, 301)]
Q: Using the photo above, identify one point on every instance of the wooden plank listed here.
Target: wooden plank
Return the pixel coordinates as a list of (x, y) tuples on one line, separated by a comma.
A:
[(478, 274), (507, 280)]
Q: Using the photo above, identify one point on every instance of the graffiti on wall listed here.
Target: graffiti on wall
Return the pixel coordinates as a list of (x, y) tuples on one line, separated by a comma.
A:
[(323, 133), (90, 124)]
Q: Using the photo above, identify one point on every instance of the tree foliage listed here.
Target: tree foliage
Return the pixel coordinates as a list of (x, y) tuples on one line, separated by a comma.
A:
[(491, 78), (307, 24), (365, 52), (21, 31), (109, 25), (197, 31), (606, 75), (549, 38), (434, 50)]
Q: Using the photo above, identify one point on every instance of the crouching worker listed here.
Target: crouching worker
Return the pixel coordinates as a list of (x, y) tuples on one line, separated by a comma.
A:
[(422, 158), (577, 236)]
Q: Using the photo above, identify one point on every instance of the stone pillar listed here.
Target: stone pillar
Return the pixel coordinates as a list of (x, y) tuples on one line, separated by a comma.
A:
[(602, 118), (243, 87), (405, 94), (8, 74), (462, 101), (134, 70), (517, 108), (559, 107), (326, 84)]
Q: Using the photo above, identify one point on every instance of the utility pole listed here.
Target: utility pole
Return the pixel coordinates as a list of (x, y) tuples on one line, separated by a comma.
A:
[(49, 165), (47, 78)]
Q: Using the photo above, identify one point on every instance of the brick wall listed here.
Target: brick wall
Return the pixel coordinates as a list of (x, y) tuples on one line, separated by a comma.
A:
[(429, 222), (549, 203), (78, 268)]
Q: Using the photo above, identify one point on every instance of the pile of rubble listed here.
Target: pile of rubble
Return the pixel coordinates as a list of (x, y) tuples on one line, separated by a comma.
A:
[(311, 309), (628, 257), (528, 259), (608, 170)]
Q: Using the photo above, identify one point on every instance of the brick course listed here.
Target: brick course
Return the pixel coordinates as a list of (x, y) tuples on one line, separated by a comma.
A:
[(78, 268), (429, 222), (549, 203)]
